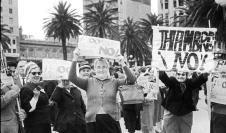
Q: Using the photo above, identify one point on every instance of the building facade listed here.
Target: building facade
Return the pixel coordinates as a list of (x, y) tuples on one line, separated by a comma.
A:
[(9, 16), (36, 50), (168, 10)]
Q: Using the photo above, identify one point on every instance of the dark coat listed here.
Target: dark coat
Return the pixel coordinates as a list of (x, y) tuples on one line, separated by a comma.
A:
[(41, 115), (72, 110), (177, 102)]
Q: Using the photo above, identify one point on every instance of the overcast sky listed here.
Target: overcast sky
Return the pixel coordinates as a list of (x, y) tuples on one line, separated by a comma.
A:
[(32, 13)]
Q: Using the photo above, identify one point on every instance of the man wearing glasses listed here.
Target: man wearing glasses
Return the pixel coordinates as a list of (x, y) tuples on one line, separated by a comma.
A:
[(178, 102)]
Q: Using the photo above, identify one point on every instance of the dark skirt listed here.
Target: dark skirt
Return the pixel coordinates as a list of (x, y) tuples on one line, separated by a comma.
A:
[(38, 128), (104, 124)]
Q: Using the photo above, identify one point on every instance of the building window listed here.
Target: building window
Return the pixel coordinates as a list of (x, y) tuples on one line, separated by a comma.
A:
[(181, 2), (9, 50), (174, 3), (11, 20), (11, 29), (14, 41), (14, 50), (10, 2), (10, 10), (166, 16), (166, 4), (181, 13)]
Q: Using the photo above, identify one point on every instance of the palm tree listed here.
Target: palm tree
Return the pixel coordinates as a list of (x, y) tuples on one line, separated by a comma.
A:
[(202, 11), (63, 24), (100, 20), (146, 26), (131, 41), (5, 40)]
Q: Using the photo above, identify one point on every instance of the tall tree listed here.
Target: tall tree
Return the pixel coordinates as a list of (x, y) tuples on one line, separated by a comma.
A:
[(131, 41), (63, 24), (5, 40), (100, 20), (146, 26)]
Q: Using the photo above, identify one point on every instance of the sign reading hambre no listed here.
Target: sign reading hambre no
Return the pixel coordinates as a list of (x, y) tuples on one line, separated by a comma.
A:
[(188, 49), (98, 47)]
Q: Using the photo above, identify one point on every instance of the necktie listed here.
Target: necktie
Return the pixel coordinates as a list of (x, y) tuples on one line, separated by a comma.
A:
[(23, 80)]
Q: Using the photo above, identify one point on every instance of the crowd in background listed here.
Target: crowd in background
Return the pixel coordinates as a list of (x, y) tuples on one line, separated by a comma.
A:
[(63, 105)]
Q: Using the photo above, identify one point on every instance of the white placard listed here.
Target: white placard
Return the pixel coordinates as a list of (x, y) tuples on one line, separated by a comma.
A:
[(98, 47), (217, 89), (183, 48), (54, 69)]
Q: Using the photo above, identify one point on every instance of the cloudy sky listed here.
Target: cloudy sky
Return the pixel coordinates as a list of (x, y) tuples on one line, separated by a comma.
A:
[(32, 13)]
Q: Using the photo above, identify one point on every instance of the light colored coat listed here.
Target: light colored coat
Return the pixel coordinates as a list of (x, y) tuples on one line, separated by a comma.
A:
[(9, 122)]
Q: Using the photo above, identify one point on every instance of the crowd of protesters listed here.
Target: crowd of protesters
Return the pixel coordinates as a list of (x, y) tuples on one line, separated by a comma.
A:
[(62, 105)]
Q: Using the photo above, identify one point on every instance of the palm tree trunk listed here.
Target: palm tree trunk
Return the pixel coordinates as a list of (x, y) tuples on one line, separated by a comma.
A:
[(101, 35), (64, 48)]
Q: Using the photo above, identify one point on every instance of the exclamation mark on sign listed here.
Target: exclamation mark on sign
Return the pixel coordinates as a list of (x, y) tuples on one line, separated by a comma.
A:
[(163, 60), (203, 62)]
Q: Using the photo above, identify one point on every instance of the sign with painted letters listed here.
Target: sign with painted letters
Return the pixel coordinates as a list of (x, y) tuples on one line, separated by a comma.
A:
[(218, 88), (220, 65), (98, 47), (183, 48), (54, 69)]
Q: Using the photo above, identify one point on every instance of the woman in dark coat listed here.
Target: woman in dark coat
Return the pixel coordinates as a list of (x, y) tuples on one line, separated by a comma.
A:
[(35, 102), (71, 113), (178, 103)]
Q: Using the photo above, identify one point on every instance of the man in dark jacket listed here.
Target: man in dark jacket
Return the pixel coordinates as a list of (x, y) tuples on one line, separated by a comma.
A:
[(178, 102)]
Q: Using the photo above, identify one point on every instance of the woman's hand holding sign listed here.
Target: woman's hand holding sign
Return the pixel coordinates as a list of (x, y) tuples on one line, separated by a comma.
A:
[(76, 54)]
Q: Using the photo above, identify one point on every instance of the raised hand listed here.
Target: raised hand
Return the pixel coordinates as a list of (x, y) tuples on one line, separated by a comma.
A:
[(76, 54), (121, 60)]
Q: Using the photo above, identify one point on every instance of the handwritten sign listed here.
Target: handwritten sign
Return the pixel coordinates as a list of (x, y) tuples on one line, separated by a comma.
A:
[(218, 88), (188, 49), (220, 65), (54, 69), (150, 88), (98, 47)]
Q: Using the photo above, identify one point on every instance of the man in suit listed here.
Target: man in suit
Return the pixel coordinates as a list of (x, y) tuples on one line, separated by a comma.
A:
[(9, 120), (20, 71)]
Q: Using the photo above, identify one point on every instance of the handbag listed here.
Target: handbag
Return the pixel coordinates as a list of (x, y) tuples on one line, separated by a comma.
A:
[(131, 94)]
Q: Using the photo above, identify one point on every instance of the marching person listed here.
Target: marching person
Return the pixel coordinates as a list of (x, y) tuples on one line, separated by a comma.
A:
[(9, 119), (35, 102), (71, 114), (178, 103), (102, 114), (85, 71)]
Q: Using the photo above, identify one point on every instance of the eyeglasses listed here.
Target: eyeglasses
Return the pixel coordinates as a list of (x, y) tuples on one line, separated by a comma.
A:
[(181, 74), (34, 73)]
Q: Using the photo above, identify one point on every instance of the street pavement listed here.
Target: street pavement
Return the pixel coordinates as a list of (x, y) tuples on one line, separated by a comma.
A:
[(200, 118)]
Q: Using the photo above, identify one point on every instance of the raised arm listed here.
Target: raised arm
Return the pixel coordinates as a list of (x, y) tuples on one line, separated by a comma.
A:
[(80, 82), (164, 78), (130, 77), (198, 81)]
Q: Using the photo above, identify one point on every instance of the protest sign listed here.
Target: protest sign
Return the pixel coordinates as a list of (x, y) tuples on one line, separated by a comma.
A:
[(220, 65), (150, 87), (217, 91), (54, 69), (98, 47), (183, 48)]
